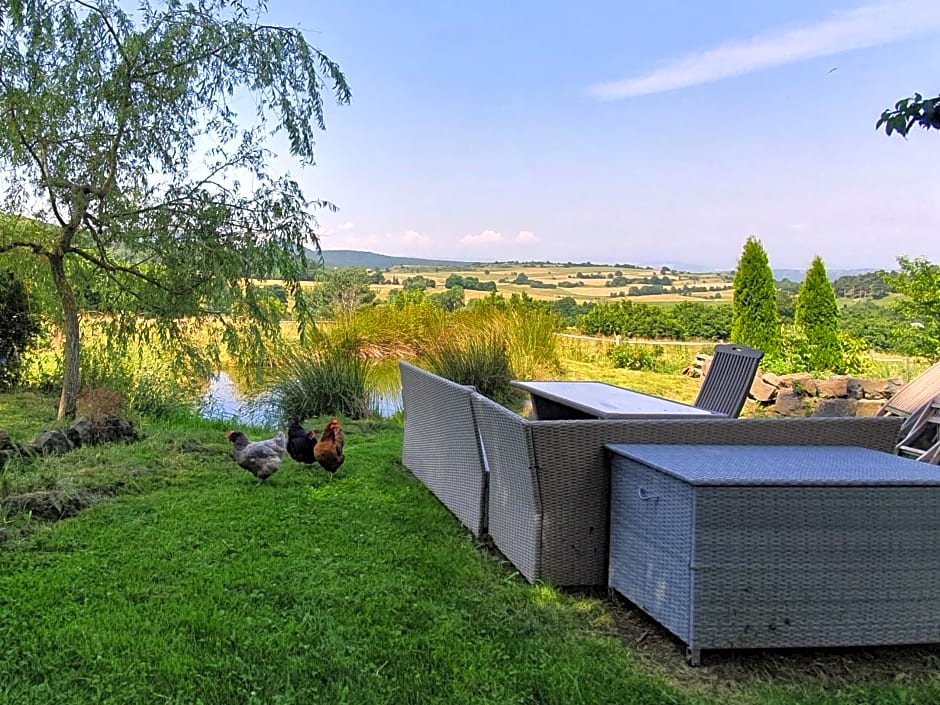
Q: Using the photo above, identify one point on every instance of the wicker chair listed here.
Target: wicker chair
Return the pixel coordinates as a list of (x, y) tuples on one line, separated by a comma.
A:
[(728, 379), (441, 445), (549, 481)]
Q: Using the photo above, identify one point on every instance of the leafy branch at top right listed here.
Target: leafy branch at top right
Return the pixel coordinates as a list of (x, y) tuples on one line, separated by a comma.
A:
[(908, 112)]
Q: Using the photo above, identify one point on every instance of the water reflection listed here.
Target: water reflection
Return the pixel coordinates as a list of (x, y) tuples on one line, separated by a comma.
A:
[(223, 399)]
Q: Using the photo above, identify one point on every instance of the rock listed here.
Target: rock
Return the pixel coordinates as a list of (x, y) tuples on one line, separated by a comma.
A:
[(52, 442), (787, 381), (79, 433), (878, 388), (789, 403), (762, 391), (833, 388), (770, 378), (868, 407), (835, 407)]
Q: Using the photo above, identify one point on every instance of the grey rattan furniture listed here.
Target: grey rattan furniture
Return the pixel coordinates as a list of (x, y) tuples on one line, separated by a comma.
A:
[(550, 480), (792, 546), (441, 445), (728, 379)]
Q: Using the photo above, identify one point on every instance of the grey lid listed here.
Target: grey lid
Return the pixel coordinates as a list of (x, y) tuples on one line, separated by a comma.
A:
[(780, 465)]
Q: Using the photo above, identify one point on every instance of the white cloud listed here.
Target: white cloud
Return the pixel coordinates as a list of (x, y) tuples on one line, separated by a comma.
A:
[(526, 236), (348, 225), (487, 236), (867, 26), (491, 237)]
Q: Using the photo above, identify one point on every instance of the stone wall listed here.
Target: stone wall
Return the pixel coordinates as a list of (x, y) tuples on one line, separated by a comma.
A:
[(801, 394)]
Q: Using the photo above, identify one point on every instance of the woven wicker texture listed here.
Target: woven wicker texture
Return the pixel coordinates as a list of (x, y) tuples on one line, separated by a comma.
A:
[(571, 474), (792, 465), (515, 512), (728, 380), (441, 446), (724, 566)]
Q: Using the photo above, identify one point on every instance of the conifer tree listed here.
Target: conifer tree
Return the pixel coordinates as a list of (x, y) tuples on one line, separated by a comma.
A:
[(817, 315), (754, 317)]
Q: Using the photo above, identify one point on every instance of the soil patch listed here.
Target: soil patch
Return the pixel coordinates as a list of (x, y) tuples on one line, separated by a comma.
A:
[(727, 672), (49, 505)]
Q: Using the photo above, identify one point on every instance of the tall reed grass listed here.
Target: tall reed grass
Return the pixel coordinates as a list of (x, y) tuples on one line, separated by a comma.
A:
[(329, 377)]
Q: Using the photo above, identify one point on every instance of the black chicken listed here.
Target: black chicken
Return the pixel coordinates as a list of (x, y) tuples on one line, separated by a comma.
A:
[(300, 442)]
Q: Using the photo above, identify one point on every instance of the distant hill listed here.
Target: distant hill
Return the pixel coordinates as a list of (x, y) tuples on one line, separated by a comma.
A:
[(372, 260), (797, 275)]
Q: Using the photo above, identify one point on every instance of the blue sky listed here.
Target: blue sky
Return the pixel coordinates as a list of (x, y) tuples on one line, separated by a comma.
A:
[(648, 133)]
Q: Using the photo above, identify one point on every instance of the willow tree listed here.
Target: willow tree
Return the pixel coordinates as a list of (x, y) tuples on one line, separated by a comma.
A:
[(137, 152), (754, 317)]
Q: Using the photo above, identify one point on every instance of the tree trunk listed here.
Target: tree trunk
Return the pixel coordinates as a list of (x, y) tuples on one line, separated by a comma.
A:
[(69, 398)]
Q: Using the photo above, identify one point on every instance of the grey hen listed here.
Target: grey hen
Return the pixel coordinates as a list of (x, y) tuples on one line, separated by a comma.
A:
[(261, 458)]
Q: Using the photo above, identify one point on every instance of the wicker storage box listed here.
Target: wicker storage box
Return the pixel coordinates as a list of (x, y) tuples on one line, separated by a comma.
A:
[(777, 546)]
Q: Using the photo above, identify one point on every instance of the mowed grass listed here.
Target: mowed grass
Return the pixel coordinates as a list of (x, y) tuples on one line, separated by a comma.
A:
[(202, 586), (191, 583)]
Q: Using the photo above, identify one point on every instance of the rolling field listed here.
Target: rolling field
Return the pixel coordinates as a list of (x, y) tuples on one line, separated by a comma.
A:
[(583, 283)]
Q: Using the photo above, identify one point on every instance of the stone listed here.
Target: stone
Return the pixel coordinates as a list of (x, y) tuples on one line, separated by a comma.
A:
[(762, 391), (79, 433), (52, 442), (835, 407), (770, 378), (878, 388), (868, 407), (833, 388), (789, 403), (798, 378), (855, 387)]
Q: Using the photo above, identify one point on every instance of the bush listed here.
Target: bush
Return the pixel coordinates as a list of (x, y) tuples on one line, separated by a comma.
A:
[(328, 380), (482, 362), (19, 328), (636, 357)]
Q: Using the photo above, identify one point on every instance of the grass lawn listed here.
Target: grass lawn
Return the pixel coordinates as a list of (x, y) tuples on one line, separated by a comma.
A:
[(190, 583)]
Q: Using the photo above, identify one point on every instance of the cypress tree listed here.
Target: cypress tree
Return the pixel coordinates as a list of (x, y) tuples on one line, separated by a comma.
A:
[(817, 315), (754, 317)]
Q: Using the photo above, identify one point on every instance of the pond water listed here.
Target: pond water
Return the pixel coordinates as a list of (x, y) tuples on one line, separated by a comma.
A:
[(224, 400)]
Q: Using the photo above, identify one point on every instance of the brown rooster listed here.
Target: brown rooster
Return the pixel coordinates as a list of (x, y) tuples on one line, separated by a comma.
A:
[(261, 458), (329, 449)]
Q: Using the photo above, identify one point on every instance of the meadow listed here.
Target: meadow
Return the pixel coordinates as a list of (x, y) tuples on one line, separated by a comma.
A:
[(183, 580), (563, 281)]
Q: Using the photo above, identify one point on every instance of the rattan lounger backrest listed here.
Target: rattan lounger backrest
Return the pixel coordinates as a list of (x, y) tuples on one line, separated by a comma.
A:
[(728, 380)]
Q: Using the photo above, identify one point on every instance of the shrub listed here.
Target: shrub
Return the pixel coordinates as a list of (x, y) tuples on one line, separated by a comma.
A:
[(481, 361), (636, 357), (329, 379), (19, 328), (754, 317)]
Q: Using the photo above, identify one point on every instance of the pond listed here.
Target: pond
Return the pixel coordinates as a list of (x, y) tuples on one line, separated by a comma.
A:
[(223, 399)]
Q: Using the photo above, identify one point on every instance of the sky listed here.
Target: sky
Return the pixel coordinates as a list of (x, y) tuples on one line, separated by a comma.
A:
[(626, 132)]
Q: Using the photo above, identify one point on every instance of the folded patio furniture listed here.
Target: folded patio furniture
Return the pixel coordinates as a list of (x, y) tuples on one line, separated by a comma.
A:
[(441, 447), (920, 433), (913, 395), (728, 379)]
